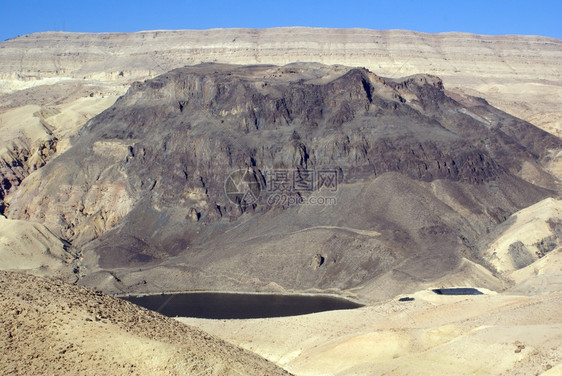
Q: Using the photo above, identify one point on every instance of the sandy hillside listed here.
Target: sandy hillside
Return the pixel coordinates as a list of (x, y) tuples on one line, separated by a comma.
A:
[(53, 328), (31, 247), (527, 236)]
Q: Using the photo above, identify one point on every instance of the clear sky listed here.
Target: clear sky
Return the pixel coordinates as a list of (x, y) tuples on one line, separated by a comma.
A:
[(538, 17)]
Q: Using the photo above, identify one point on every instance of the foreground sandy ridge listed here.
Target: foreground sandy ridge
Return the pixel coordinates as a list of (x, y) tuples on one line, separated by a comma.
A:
[(52, 328)]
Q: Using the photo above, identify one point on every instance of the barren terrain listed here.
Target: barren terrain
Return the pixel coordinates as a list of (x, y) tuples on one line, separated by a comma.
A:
[(70, 77), (115, 148), (516, 331), (432, 335), (420, 178), (53, 328)]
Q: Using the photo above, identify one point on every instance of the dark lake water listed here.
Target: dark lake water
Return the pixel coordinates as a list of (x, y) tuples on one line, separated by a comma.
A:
[(458, 291), (239, 306)]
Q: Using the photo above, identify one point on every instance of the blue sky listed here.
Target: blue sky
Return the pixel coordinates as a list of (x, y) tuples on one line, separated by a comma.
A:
[(539, 17)]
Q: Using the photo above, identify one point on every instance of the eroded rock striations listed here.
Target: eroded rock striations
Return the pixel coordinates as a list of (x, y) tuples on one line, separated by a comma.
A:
[(58, 90), (520, 74), (422, 173)]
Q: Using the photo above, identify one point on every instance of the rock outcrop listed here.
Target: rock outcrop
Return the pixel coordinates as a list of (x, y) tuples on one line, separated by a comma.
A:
[(38, 74), (145, 180)]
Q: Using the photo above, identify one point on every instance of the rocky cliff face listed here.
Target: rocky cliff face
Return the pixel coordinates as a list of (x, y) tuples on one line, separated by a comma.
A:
[(421, 175), (36, 125), (26, 144), (59, 90)]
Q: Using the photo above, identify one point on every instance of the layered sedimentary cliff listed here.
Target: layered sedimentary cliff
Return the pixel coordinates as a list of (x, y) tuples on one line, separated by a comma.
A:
[(521, 74)]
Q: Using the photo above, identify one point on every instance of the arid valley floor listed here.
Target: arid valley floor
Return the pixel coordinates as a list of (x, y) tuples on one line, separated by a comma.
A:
[(447, 152)]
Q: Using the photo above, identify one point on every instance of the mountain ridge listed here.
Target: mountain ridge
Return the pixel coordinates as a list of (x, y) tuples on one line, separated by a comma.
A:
[(520, 75), (156, 163)]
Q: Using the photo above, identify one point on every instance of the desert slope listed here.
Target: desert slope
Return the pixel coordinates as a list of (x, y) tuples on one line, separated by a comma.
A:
[(514, 332), (31, 247), (50, 327)]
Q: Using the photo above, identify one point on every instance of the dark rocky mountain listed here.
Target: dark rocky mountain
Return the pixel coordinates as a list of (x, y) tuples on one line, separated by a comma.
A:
[(420, 175)]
